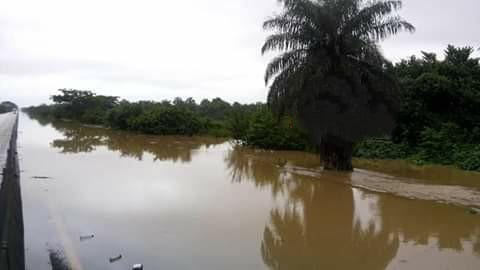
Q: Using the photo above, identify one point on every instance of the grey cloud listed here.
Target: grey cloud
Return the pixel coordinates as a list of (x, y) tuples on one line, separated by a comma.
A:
[(438, 23), (22, 66)]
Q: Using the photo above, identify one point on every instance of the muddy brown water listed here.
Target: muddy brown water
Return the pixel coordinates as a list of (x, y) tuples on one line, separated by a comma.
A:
[(203, 203)]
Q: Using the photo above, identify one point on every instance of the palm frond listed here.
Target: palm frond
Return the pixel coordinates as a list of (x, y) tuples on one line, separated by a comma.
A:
[(362, 22), (284, 42), (281, 96), (390, 26), (289, 60)]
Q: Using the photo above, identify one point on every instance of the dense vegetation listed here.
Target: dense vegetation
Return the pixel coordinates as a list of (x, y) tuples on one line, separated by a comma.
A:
[(331, 73), (7, 106), (251, 124), (439, 121)]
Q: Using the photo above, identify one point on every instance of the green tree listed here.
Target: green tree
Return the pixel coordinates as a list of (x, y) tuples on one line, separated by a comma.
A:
[(84, 106), (331, 72), (7, 106), (439, 120)]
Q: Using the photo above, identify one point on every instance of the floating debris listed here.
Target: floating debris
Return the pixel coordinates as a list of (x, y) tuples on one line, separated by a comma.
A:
[(41, 177), (137, 267), (86, 237), (474, 211), (114, 259)]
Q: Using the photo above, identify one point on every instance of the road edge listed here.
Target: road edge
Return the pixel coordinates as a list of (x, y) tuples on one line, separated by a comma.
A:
[(12, 251)]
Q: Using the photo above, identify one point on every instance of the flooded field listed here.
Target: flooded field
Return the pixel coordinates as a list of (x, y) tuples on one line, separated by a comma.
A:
[(91, 194)]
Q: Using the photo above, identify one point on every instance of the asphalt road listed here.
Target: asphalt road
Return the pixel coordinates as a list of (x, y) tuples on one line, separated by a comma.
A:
[(7, 122), (12, 253)]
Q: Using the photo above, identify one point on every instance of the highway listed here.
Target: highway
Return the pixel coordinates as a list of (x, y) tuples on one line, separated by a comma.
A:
[(12, 256), (7, 122)]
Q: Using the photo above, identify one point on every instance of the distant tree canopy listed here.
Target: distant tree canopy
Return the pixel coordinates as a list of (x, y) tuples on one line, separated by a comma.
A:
[(437, 92), (7, 106), (249, 124), (82, 105), (177, 117), (439, 120), (331, 72)]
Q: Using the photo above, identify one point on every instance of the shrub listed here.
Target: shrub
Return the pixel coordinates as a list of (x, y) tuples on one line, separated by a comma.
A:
[(166, 121), (380, 148), (268, 132)]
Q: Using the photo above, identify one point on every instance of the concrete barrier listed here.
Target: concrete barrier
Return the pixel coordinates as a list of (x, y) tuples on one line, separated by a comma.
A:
[(12, 253)]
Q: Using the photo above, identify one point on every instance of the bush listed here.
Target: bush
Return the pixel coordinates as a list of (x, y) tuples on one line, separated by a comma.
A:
[(238, 123), (95, 116), (380, 148), (446, 145), (467, 157), (438, 145), (166, 121), (120, 116), (266, 131), (215, 128)]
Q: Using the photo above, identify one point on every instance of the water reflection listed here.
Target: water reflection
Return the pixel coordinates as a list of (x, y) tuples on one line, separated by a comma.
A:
[(323, 225), (84, 139)]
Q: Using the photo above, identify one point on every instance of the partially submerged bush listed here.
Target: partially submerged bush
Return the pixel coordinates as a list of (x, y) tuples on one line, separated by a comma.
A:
[(265, 130), (380, 148)]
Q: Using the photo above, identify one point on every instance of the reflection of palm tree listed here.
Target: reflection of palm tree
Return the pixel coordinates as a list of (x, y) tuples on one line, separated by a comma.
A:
[(78, 138), (58, 261), (245, 164), (318, 232), (316, 229)]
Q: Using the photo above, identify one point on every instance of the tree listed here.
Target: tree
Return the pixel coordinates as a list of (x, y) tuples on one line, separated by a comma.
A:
[(7, 106), (460, 56), (331, 73), (82, 105)]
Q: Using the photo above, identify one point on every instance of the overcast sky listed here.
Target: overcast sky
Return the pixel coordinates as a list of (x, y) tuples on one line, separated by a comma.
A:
[(159, 49)]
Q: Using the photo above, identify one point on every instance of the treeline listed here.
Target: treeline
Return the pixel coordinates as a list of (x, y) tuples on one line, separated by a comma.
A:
[(7, 106), (249, 124), (439, 120)]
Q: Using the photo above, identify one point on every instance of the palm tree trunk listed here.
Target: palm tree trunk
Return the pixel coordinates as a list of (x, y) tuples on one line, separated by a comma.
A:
[(336, 153)]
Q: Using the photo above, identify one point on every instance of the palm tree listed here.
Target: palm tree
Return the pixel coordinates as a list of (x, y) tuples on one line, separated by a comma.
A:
[(331, 73)]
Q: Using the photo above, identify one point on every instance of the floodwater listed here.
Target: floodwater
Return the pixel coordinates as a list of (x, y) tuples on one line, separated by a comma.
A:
[(203, 203)]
